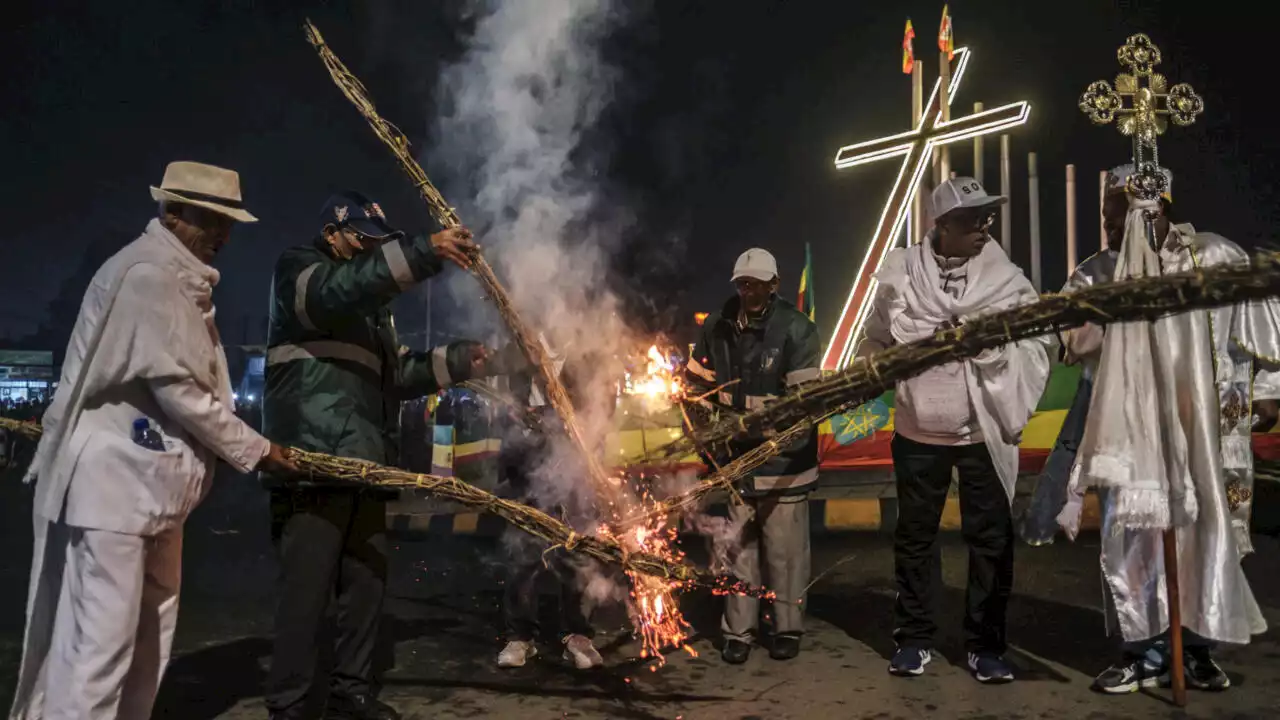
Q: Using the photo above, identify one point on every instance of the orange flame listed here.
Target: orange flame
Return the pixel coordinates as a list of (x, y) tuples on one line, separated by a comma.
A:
[(660, 384), (658, 620)]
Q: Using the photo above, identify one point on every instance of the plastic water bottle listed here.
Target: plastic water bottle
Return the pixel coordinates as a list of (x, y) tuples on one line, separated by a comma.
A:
[(146, 436)]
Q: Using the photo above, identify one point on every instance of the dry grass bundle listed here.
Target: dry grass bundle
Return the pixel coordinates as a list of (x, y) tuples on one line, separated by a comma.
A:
[(1145, 299), (447, 216), (530, 520)]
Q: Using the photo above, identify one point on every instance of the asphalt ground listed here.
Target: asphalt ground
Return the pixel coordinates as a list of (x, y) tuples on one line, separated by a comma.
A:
[(442, 628)]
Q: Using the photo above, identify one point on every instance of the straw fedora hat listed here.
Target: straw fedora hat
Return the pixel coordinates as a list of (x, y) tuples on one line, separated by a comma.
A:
[(206, 186)]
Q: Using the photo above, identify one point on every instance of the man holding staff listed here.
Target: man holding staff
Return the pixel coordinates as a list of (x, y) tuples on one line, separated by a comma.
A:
[(1168, 442)]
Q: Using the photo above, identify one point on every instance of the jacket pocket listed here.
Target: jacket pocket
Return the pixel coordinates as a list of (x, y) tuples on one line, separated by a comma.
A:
[(119, 485)]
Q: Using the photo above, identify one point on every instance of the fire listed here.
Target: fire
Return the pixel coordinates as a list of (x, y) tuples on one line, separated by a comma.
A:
[(659, 385), (658, 620)]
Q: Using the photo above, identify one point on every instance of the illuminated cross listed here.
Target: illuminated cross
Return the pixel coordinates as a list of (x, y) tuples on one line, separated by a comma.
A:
[(915, 147)]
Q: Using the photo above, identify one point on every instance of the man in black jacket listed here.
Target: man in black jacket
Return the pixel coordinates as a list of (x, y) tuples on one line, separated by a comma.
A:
[(757, 347)]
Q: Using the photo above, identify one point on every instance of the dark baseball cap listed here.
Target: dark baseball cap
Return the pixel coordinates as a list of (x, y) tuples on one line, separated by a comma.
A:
[(356, 211)]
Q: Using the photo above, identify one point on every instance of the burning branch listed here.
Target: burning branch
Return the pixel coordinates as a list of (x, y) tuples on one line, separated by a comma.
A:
[(650, 594), (530, 520), (1146, 299), (447, 216)]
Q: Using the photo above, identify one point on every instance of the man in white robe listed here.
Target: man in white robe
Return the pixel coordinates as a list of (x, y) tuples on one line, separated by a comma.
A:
[(1189, 466), (141, 415), (965, 417)]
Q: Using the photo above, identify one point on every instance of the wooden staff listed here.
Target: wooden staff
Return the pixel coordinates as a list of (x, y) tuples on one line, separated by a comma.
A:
[(1177, 678)]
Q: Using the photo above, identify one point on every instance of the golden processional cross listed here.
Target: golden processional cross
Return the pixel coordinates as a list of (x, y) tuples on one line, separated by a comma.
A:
[(1152, 103), (916, 148)]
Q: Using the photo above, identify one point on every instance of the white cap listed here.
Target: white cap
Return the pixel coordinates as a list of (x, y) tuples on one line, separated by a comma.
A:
[(756, 263), (962, 192)]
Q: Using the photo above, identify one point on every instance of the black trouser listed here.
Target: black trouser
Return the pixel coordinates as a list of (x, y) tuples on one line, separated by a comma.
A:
[(924, 477), (520, 598), (332, 546)]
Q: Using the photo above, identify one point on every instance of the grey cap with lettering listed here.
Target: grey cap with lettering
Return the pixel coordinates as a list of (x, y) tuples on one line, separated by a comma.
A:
[(961, 193)]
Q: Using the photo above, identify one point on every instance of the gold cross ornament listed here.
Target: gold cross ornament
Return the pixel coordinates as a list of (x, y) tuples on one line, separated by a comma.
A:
[(1151, 104)]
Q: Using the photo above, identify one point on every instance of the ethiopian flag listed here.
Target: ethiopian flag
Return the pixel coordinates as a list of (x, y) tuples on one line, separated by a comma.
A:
[(946, 39), (804, 299), (908, 52)]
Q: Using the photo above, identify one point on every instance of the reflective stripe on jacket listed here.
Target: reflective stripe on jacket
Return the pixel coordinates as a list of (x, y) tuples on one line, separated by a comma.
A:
[(766, 357), (336, 373)]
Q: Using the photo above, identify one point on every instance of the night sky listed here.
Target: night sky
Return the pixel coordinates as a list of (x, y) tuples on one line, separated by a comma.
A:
[(721, 136)]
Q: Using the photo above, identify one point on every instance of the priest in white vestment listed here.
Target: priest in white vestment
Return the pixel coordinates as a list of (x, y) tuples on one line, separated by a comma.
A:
[(141, 415), (965, 417), (1168, 444)]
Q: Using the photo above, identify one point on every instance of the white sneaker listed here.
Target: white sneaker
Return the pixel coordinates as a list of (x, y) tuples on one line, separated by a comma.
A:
[(582, 652), (516, 654)]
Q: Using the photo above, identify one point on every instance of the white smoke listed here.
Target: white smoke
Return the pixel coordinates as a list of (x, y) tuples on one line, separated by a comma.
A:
[(517, 114)]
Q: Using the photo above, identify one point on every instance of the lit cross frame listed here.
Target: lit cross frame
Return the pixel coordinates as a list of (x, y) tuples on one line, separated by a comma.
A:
[(916, 149)]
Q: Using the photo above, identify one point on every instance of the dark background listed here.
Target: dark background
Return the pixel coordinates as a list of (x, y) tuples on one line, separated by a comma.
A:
[(721, 135)]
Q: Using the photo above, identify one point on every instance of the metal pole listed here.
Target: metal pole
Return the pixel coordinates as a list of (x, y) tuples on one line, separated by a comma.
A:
[(944, 97), (1102, 221), (919, 224), (977, 150), (1072, 256), (1033, 200), (1006, 189)]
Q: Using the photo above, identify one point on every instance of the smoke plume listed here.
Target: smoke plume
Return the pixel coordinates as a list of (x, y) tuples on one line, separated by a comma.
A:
[(518, 145)]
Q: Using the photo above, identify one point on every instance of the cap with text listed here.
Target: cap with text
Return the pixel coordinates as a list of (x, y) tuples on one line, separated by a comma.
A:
[(962, 193)]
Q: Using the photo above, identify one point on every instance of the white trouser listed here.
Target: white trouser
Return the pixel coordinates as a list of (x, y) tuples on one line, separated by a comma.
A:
[(779, 531), (102, 654)]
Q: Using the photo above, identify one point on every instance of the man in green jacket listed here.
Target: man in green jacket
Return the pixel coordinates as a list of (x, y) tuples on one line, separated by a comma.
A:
[(336, 375), (759, 347)]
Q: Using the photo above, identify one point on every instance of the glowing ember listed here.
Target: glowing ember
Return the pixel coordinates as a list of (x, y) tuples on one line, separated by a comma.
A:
[(659, 385), (658, 620)]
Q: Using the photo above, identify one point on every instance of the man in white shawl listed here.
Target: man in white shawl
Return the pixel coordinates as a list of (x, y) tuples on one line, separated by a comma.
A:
[(1168, 444), (141, 415), (966, 416)]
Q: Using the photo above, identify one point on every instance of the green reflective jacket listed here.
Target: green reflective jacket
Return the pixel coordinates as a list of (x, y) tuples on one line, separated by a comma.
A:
[(336, 373), (750, 363)]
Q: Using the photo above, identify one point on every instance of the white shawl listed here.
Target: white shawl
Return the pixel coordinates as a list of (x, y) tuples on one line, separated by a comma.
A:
[(1138, 448), (1005, 383)]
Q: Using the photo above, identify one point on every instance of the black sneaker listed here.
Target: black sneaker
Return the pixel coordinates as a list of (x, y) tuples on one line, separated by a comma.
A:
[(990, 668), (358, 707), (735, 652), (1201, 671), (1129, 675), (909, 661)]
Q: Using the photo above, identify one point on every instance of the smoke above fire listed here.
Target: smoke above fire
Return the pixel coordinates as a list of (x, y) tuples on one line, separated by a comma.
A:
[(516, 139)]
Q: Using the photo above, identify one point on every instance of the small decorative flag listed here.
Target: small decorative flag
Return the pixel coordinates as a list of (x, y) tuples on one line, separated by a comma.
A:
[(908, 53), (946, 43), (804, 299)]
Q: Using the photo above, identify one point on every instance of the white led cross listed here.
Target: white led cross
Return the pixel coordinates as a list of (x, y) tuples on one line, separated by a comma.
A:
[(916, 149)]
